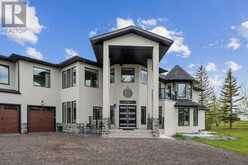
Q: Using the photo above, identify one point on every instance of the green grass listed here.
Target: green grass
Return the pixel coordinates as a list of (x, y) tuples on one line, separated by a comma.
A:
[(240, 131)]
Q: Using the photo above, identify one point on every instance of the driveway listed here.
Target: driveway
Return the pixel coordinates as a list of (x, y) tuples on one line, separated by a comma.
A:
[(64, 149)]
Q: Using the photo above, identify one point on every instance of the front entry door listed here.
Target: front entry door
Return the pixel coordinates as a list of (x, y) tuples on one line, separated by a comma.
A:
[(127, 116)]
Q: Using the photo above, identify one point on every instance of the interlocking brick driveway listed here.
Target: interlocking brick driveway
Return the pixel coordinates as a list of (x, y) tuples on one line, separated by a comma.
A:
[(64, 149)]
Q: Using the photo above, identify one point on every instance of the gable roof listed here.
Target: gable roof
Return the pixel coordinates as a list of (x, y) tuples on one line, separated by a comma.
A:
[(97, 41), (177, 74)]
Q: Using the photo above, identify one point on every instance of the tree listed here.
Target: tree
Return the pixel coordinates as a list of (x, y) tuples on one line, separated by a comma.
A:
[(229, 97), (207, 94)]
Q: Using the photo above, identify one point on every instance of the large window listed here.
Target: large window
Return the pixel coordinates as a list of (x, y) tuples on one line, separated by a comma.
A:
[(183, 117), (91, 78), (143, 115), (69, 78), (112, 75), (181, 90), (112, 114), (195, 112), (4, 74), (161, 117), (41, 77), (97, 113), (128, 75), (69, 112), (143, 76)]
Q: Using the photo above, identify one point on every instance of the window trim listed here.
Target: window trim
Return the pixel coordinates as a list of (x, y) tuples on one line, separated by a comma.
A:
[(97, 73), (6, 66), (49, 86), (185, 90), (133, 75), (180, 123)]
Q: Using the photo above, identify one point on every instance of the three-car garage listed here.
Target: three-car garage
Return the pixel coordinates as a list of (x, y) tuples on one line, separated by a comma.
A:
[(39, 118)]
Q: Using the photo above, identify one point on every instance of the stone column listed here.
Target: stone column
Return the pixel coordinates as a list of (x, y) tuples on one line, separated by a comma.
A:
[(106, 88), (155, 73)]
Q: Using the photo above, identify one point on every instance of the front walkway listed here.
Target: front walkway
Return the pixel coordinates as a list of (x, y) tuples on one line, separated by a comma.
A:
[(64, 149)]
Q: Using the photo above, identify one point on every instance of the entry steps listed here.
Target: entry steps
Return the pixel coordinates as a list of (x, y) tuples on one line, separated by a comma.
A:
[(135, 133)]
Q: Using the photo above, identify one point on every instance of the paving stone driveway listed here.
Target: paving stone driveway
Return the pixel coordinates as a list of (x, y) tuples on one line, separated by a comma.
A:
[(64, 149)]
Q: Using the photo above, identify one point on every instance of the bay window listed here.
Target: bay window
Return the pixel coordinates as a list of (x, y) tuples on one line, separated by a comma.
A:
[(183, 117), (128, 75)]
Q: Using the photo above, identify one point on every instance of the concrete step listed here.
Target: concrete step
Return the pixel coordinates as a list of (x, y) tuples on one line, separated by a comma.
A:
[(118, 133)]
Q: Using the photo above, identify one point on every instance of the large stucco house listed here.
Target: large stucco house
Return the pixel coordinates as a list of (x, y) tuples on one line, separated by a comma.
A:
[(125, 88)]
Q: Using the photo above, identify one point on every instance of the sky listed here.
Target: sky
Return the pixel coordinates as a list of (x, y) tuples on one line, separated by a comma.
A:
[(213, 33)]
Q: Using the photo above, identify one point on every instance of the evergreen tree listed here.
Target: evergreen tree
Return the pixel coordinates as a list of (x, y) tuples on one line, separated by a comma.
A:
[(229, 97), (213, 114), (206, 95)]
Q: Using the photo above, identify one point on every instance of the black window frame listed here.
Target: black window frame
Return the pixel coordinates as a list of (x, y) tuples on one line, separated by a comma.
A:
[(112, 114), (97, 113), (49, 83), (95, 71), (69, 77), (143, 115), (6, 66), (133, 75), (184, 92), (185, 112), (195, 117), (69, 112)]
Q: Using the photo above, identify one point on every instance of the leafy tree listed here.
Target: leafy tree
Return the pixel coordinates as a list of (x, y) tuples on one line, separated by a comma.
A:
[(229, 97), (207, 94)]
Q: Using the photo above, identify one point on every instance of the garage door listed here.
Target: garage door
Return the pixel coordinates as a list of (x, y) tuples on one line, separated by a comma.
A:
[(41, 119), (9, 118)]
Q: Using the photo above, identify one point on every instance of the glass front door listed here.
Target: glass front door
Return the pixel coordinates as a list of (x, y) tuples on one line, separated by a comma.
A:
[(127, 116)]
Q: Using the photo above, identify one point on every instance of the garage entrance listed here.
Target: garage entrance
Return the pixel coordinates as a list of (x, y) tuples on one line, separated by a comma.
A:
[(41, 119), (9, 118)]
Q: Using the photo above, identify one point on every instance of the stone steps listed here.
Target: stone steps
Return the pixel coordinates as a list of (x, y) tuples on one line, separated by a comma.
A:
[(118, 133)]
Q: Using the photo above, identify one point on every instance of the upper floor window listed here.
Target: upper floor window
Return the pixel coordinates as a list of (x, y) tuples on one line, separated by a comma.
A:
[(128, 75), (112, 75), (41, 77), (69, 78), (143, 76), (4, 74), (181, 90), (91, 78)]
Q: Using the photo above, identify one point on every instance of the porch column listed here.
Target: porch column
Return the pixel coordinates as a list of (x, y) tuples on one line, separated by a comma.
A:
[(106, 88), (155, 69), (149, 89)]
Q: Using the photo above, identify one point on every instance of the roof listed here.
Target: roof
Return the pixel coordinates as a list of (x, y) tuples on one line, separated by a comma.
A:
[(189, 103), (97, 41), (177, 74)]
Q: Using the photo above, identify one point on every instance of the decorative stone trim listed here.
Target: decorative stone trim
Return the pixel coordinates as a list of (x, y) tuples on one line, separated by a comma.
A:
[(155, 126), (24, 128)]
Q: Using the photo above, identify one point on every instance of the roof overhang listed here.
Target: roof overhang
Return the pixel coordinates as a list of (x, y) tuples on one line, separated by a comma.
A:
[(97, 41)]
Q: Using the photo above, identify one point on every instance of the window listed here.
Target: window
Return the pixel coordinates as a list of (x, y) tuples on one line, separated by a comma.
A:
[(97, 113), (41, 77), (195, 112), (161, 117), (181, 90), (128, 75), (112, 114), (144, 76), (183, 117), (91, 78), (69, 112), (143, 115), (112, 75), (189, 91), (69, 78), (4, 74)]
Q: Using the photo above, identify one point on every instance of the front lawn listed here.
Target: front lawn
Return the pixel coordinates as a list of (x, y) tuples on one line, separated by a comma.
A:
[(240, 131)]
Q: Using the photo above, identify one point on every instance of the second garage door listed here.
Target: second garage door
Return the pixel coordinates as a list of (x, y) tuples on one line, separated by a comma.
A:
[(41, 119)]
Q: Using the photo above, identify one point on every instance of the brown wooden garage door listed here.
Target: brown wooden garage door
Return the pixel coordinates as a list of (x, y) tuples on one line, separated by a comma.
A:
[(9, 118), (41, 119)]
